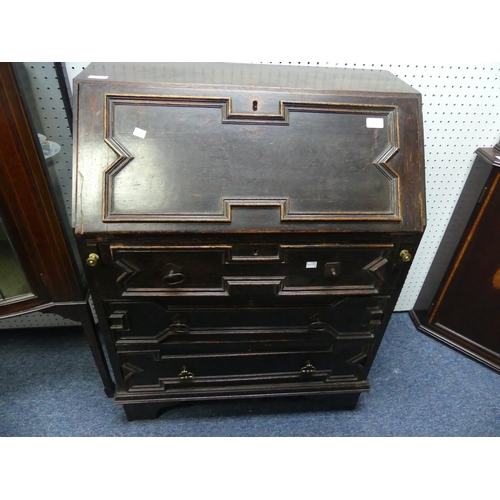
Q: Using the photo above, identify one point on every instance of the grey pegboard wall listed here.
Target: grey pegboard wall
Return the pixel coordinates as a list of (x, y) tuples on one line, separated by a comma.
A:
[(461, 110)]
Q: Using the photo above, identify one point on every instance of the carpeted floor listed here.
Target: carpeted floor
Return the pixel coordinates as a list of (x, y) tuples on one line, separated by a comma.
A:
[(50, 387)]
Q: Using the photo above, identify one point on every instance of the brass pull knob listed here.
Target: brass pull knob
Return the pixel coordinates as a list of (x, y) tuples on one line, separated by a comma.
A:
[(185, 374), (92, 259), (405, 255), (308, 368)]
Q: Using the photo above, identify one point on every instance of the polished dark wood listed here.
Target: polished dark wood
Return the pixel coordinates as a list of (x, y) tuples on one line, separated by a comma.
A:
[(464, 313), (245, 225), (220, 159), (35, 227)]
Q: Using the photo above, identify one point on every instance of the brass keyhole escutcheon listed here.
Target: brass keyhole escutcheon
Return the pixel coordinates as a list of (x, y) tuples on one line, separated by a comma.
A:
[(92, 260), (405, 255)]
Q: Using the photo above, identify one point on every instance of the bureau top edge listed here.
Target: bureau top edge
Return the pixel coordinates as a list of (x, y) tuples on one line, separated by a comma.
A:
[(245, 75)]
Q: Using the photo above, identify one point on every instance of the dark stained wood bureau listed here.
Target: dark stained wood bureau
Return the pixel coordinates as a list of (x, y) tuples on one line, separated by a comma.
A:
[(247, 228)]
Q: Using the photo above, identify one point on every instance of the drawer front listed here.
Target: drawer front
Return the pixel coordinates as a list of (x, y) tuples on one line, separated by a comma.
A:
[(263, 270), (156, 326), (152, 372)]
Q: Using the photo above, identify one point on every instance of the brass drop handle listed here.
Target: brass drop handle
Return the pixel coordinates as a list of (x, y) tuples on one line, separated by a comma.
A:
[(405, 255), (185, 374), (92, 260), (308, 368), (179, 328), (317, 326)]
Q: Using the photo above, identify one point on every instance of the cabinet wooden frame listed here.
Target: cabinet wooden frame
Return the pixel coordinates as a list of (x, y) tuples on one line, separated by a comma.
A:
[(463, 313)]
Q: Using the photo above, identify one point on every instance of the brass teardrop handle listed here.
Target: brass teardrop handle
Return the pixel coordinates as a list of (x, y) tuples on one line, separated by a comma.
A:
[(178, 326), (308, 368), (174, 278), (92, 260), (185, 374), (405, 255)]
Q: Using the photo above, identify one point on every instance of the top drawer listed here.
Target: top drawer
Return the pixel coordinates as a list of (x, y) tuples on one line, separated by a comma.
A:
[(231, 270), (244, 156)]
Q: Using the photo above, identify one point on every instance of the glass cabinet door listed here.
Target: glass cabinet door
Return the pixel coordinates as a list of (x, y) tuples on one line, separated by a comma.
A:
[(13, 282), (31, 259)]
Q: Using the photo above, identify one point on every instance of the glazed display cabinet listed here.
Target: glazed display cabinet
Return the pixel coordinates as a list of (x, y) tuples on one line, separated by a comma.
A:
[(39, 268), (464, 312)]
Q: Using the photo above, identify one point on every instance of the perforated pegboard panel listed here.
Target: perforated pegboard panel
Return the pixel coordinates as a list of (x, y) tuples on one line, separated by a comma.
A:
[(461, 109)]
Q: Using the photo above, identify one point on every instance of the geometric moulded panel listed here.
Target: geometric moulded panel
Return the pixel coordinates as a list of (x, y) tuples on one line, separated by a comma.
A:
[(188, 159), (173, 271)]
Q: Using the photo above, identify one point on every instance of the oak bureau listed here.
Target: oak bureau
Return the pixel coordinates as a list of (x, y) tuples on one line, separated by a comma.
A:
[(247, 229)]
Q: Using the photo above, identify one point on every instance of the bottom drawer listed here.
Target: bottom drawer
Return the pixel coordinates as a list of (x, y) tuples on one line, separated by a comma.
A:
[(152, 371)]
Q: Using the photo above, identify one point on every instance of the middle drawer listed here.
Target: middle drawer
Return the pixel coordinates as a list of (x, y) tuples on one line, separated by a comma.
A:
[(153, 325)]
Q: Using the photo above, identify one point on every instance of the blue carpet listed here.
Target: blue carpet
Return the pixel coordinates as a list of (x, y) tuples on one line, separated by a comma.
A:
[(49, 386)]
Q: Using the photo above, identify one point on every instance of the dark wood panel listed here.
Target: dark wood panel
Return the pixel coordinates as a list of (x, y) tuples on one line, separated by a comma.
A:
[(147, 323), (204, 162), (210, 165), (185, 373), (184, 270), (464, 313), (250, 76)]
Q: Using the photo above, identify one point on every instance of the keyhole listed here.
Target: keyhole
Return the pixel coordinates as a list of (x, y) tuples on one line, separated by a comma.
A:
[(254, 105)]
